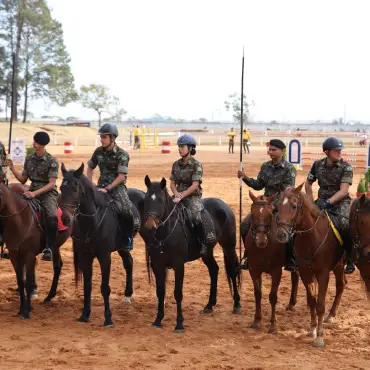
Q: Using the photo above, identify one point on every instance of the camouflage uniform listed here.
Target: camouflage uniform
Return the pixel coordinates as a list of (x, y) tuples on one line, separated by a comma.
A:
[(112, 163), (269, 178), (2, 157), (184, 174), (330, 177), (39, 170)]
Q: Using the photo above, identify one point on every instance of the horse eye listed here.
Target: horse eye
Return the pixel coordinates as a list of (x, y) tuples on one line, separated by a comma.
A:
[(294, 206)]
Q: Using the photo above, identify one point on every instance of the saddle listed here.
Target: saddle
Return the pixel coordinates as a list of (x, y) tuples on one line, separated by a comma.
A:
[(209, 227), (117, 207), (38, 214)]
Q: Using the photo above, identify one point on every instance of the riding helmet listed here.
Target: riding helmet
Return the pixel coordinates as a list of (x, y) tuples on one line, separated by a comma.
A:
[(187, 140), (332, 142), (108, 129)]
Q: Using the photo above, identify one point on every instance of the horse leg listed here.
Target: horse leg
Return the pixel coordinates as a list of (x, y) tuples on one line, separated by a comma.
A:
[(57, 267), (17, 263), (276, 278), (30, 267), (323, 281), (340, 283), (233, 274), (160, 281), (34, 294), (105, 265), (128, 265), (257, 283), (86, 261), (294, 276), (210, 262), (311, 302), (179, 280)]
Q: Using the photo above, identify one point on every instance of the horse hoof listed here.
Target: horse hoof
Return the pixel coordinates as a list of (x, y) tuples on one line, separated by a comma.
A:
[(319, 343), (329, 319), (312, 333), (25, 317), (109, 325), (237, 310), (290, 307), (126, 300), (157, 325), (256, 326), (180, 331), (83, 319), (34, 295), (206, 310), (272, 330)]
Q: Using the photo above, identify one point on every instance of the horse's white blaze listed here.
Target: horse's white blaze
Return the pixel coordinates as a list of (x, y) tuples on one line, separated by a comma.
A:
[(261, 210), (285, 201), (153, 197)]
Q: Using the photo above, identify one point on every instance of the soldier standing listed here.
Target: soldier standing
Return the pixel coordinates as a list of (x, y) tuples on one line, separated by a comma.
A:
[(231, 136), (113, 165), (272, 174), (42, 169), (334, 176)]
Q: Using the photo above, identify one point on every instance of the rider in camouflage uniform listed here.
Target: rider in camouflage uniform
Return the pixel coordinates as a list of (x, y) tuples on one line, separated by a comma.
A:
[(186, 179), (272, 174), (334, 176), (2, 162), (42, 169), (113, 165)]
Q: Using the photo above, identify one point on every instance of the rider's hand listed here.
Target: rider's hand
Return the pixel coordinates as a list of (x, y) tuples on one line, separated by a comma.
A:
[(176, 200), (9, 163), (241, 174), (29, 194), (102, 190)]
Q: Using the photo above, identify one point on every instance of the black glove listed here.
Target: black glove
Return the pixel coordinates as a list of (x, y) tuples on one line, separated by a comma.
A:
[(324, 204)]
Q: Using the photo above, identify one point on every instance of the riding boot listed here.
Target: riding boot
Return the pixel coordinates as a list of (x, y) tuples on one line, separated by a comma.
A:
[(350, 266), (290, 264), (51, 239), (201, 235), (244, 228), (127, 230), (3, 253)]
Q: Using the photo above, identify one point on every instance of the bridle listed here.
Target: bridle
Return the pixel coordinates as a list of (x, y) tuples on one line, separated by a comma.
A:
[(261, 227)]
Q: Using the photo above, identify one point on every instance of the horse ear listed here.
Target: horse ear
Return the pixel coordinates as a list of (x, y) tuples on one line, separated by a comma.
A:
[(147, 181), (362, 199), (272, 198), (79, 171), (282, 187), (253, 197), (163, 183), (63, 168), (299, 188)]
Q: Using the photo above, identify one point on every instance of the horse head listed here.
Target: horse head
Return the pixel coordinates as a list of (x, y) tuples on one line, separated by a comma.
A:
[(155, 203), (262, 210), (70, 192), (289, 212), (359, 223)]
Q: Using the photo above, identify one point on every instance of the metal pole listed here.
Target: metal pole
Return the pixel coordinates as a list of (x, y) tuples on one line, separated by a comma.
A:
[(241, 159), (13, 101)]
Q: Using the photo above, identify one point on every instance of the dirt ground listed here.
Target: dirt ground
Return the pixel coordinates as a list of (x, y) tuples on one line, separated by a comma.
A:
[(52, 339)]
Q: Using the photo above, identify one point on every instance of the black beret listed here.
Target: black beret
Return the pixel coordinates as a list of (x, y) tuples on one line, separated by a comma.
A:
[(277, 143), (42, 138)]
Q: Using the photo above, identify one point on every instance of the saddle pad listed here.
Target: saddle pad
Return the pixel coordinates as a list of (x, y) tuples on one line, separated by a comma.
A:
[(335, 230), (61, 226)]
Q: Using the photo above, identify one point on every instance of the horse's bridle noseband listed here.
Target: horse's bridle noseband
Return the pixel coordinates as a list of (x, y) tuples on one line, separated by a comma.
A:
[(291, 228)]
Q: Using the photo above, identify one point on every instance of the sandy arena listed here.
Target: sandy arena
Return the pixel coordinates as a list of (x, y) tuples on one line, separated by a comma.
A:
[(53, 340)]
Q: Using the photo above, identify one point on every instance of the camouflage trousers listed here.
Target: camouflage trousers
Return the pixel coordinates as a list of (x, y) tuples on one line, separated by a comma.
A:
[(245, 225), (195, 206), (339, 214), (49, 204), (119, 194)]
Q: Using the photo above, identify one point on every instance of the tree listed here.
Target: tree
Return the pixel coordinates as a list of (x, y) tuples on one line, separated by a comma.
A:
[(96, 97), (234, 102), (203, 120)]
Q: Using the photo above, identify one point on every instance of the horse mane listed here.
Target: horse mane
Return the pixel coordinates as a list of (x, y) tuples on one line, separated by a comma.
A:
[(100, 199), (311, 206), (156, 186)]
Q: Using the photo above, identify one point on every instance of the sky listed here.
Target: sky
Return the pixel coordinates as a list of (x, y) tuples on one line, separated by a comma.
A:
[(304, 60)]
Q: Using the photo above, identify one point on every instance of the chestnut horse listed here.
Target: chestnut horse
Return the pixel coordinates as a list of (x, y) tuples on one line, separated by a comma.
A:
[(24, 239), (266, 254), (359, 224), (317, 251)]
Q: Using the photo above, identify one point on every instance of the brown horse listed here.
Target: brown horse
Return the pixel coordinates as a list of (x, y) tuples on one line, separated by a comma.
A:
[(359, 223), (24, 239), (317, 251), (266, 254)]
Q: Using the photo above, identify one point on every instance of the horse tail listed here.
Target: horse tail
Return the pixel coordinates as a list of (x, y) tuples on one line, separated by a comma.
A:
[(147, 259), (78, 272), (232, 269)]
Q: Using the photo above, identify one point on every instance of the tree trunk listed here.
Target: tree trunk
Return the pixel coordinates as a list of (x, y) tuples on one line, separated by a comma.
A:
[(99, 119)]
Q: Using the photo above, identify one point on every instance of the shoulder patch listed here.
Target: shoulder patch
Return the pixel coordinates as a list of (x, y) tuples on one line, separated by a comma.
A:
[(348, 168)]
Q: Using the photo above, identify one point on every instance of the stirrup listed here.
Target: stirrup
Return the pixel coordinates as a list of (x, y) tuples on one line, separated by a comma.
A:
[(244, 264), (349, 269), (204, 249)]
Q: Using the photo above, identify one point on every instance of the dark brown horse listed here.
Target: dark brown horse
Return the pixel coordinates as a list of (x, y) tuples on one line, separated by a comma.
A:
[(317, 251), (24, 239), (266, 254), (359, 223)]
